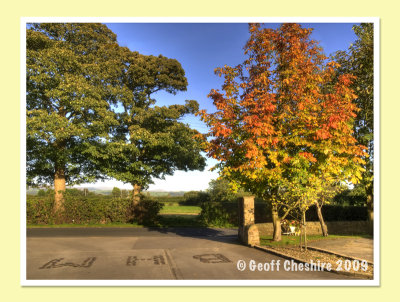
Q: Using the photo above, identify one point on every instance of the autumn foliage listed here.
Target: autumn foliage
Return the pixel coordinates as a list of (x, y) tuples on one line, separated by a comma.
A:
[(283, 124)]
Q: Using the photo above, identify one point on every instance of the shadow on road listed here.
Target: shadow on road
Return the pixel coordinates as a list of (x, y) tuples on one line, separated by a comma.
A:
[(213, 234)]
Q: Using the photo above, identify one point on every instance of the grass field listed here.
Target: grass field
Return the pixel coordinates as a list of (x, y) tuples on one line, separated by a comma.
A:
[(194, 210)]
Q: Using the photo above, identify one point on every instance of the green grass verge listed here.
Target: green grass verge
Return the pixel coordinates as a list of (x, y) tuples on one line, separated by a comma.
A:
[(294, 240), (94, 225), (164, 221), (180, 210)]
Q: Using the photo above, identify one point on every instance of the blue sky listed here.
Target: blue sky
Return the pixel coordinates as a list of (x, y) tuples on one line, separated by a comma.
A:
[(200, 48)]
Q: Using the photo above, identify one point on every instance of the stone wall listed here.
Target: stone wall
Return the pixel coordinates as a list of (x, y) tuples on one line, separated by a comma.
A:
[(334, 228), (248, 231)]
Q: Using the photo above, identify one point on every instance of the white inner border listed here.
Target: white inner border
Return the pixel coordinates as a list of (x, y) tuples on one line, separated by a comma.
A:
[(377, 240)]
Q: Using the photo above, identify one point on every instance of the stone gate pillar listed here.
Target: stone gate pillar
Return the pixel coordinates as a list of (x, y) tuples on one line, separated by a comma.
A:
[(248, 231)]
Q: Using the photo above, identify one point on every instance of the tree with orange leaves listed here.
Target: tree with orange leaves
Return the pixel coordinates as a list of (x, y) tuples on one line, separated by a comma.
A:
[(283, 127)]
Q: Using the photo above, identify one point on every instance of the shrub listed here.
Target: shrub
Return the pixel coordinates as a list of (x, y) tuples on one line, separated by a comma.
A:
[(195, 198), (39, 210), (41, 193), (147, 210), (219, 213)]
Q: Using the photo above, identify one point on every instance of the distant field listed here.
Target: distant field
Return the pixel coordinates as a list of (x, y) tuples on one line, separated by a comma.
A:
[(108, 191), (180, 210)]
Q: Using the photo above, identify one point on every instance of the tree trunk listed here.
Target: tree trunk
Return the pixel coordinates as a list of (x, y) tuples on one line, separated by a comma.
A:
[(370, 207), (277, 225), (59, 189), (305, 230), (321, 220), (370, 201), (135, 195)]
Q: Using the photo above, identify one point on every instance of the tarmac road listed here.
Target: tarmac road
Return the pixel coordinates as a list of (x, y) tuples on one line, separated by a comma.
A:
[(151, 254)]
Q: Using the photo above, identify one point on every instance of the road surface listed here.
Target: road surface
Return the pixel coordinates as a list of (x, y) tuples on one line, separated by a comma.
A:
[(152, 254)]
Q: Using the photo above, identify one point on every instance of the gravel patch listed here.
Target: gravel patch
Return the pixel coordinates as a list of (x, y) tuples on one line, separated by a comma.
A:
[(339, 264)]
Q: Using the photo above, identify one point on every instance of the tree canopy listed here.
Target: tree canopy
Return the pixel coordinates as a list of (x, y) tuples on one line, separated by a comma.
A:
[(69, 85), (78, 79), (283, 128), (150, 141), (70, 76), (358, 60)]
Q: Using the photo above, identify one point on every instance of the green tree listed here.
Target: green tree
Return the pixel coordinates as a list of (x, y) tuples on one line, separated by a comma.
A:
[(150, 141), (124, 193), (359, 61), (41, 193), (72, 77), (220, 191), (116, 192)]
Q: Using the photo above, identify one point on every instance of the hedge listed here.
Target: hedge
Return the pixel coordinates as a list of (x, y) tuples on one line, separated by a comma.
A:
[(223, 213), (351, 200), (338, 213), (92, 210), (39, 210), (214, 213), (105, 209)]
